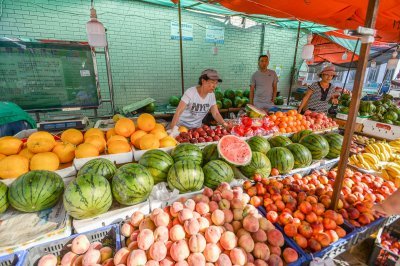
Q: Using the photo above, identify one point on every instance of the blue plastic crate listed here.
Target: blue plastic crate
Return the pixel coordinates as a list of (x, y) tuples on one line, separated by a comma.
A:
[(15, 259), (108, 236), (380, 255), (364, 232)]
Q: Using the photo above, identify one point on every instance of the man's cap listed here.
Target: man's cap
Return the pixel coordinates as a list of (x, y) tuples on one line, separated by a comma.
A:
[(212, 74)]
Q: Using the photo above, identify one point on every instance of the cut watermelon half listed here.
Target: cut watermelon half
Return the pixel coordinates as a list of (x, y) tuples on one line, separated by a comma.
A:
[(234, 150), (255, 112)]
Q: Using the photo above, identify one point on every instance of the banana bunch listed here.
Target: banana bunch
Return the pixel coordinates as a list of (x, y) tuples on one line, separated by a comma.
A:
[(381, 149), (367, 161), (391, 172), (363, 139), (395, 145)]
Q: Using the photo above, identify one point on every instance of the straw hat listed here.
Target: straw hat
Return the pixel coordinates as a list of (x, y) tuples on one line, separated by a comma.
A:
[(330, 70)]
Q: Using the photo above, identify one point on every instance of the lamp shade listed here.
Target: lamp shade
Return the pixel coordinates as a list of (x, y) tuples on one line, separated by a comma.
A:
[(307, 52), (393, 62), (96, 33)]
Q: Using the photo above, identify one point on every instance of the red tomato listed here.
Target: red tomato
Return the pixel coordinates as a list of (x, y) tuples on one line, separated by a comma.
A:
[(247, 121)]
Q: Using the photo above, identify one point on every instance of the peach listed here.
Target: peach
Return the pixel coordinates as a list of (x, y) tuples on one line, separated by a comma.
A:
[(261, 251), (213, 205), (190, 204), (127, 229), (246, 242), (238, 256), (121, 256), (301, 241), (92, 256), (191, 226), (259, 262), (237, 203), (208, 217), (203, 224), (201, 198), (340, 232), (275, 250), (175, 221), (212, 234), (223, 260), (290, 255), (275, 260), (202, 208), (285, 218), (177, 233), (152, 263), (136, 218), (329, 224), (80, 244), (96, 245), (196, 215), (228, 227), (212, 252), (68, 258), (147, 223), (133, 245), (48, 260), (228, 214), (305, 207), (196, 259), (197, 243), (332, 235), (305, 230), (182, 263), (161, 234), (225, 186), (245, 199), (323, 239), (250, 257), (251, 224), (265, 224), (314, 245), (158, 251), (272, 216), (228, 240), (317, 227), (161, 219), (290, 230), (145, 239), (179, 250), (185, 214), (217, 196), (137, 258), (238, 214), (275, 238), (109, 262), (227, 194), (176, 208), (208, 192), (241, 232), (134, 235), (236, 226), (250, 264), (311, 217), (218, 217), (78, 261), (224, 204), (259, 236), (168, 261), (105, 253), (155, 212)]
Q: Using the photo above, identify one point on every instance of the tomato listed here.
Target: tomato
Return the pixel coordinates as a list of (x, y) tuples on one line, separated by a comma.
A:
[(247, 121), (238, 130)]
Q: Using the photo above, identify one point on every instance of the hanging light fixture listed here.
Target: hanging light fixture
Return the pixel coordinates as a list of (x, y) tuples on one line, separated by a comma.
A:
[(308, 49), (95, 30), (344, 56), (392, 63), (373, 64)]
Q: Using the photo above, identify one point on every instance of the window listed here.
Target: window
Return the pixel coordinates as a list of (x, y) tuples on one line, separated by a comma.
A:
[(372, 75), (389, 75), (352, 75)]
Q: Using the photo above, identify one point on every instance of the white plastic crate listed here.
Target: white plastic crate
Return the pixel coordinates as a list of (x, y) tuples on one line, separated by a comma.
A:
[(381, 130)]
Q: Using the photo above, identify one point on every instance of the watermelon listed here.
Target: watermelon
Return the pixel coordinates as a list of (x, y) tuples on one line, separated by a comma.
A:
[(246, 93), (174, 101), (185, 176), (239, 93), (254, 112), (335, 141), (279, 141), (187, 151), (238, 102), (150, 108), (317, 144), (35, 191), (3, 197), (391, 116), (278, 101), (282, 159), (234, 150), (302, 156), (259, 164), (158, 163), (245, 100), (87, 196), (380, 109), (131, 184), (259, 144), (99, 166), (299, 135), (219, 95), (230, 94), (367, 107), (226, 103), (210, 152), (216, 172), (219, 104)]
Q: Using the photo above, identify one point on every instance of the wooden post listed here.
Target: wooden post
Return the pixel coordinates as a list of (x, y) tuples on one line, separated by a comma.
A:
[(294, 63), (354, 104), (181, 46)]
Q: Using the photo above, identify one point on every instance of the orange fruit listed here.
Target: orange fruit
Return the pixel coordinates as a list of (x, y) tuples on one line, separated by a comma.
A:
[(183, 129), (2, 156), (279, 114), (168, 141), (149, 142), (38, 145), (93, 131), (41, 135), (118, 146), (115, 138), (125, 127), (110, 133), (97, 141), (13, 166), (86, 150), (26, 153), (10, 145), (45, 161), (72, 136), (160, 134), (136, 137), (65, 152), (159, 126), (146, 122)]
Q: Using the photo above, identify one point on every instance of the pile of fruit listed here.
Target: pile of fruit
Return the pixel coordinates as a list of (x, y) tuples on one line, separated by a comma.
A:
[(248, 127), (217, 227), (356, 148), (363, 140), (319, 121), (389, 242), (290, 121), (202, 134)]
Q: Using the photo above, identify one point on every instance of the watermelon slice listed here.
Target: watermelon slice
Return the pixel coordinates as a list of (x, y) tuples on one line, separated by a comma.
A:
[(234, 150), (255, 112)]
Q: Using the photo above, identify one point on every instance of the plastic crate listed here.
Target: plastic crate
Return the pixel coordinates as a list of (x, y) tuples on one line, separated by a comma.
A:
[(392, 219), (365, 231), (108, 236), (15, 259), (382, 256)]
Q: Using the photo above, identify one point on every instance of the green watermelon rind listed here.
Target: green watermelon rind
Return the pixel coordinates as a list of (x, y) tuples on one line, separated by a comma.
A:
[(35, 191), (210, 153), (299, 135), (282, 159), (185, 176), (3, 197), (335, 142), (187, 151), (99, 166), (302, 156), (158, 162), (317, 144), (254, 112), (260, 164), (87, 196), (132, 184), (259, 144), (245, 146), (216, 172), (279, 141)]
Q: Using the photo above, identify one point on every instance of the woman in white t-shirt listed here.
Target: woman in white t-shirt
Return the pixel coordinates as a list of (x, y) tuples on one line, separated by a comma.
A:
[(198, 101)]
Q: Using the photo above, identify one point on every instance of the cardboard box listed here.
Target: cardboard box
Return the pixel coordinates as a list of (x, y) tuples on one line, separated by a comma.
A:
[(381, 130), (119, 158)]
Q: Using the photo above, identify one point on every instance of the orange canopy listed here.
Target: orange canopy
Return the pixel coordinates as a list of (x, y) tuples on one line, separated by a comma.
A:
[(341, 14), (326, 50)]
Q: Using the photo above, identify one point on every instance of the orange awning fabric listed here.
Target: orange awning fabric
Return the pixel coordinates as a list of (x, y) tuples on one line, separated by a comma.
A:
[(341, 14), (326, 50)]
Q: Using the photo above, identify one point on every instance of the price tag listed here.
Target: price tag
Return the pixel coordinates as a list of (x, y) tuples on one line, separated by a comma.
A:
[(85, 73)]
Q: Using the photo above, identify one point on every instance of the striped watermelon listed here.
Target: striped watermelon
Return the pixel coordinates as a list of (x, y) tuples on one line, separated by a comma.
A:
[(317, 144), (131, 184), (210, 152), (3, 197), (185, 176), (259, 144), (299, 135), (234, 150), (302, 155), (335, 141), (87, 196), (279, 141), (282, 159), (35, 191), (216, 172), (99, 166), (158, 163), (259, 164), (187, 151)]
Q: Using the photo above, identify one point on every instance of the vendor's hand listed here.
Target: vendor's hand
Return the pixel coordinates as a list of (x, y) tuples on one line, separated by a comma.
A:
[(227, 125), (335, 101), (174, 132), (379, 211)]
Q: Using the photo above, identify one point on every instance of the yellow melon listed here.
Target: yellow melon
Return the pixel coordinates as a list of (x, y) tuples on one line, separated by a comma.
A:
[(168, 141), (125, 127), (13, 166), (44, 161), (72, 136), (118, 146), (65, 152), (86, 150), (159, 127), (10, 145), (93, 131), (38, 145), (110, 133), (26, 153), (135, 138), (160, 134), (146, 122), (97, 141), (149, 142), (115, 138)]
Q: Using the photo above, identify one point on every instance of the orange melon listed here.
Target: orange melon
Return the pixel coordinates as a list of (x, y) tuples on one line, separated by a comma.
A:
[(93, 131), (10, 145), (168, 141), (86, 150), (2, 156), (38, 145), (41, 135), (44, 161), (65, 152), (135, 138), (110, 133), (159, 127), (160, 134), (97, 141), (26, 153), (183, 129), (125, 127), (118, 146), (72, 136), (149, 142), (13, 166), (146, 122), (115, 138)]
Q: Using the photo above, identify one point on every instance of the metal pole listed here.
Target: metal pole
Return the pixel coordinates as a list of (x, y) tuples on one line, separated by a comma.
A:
[(262, 38), (349, 68), (355, 102), (294, 63), (181, 45), (109, 77)]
